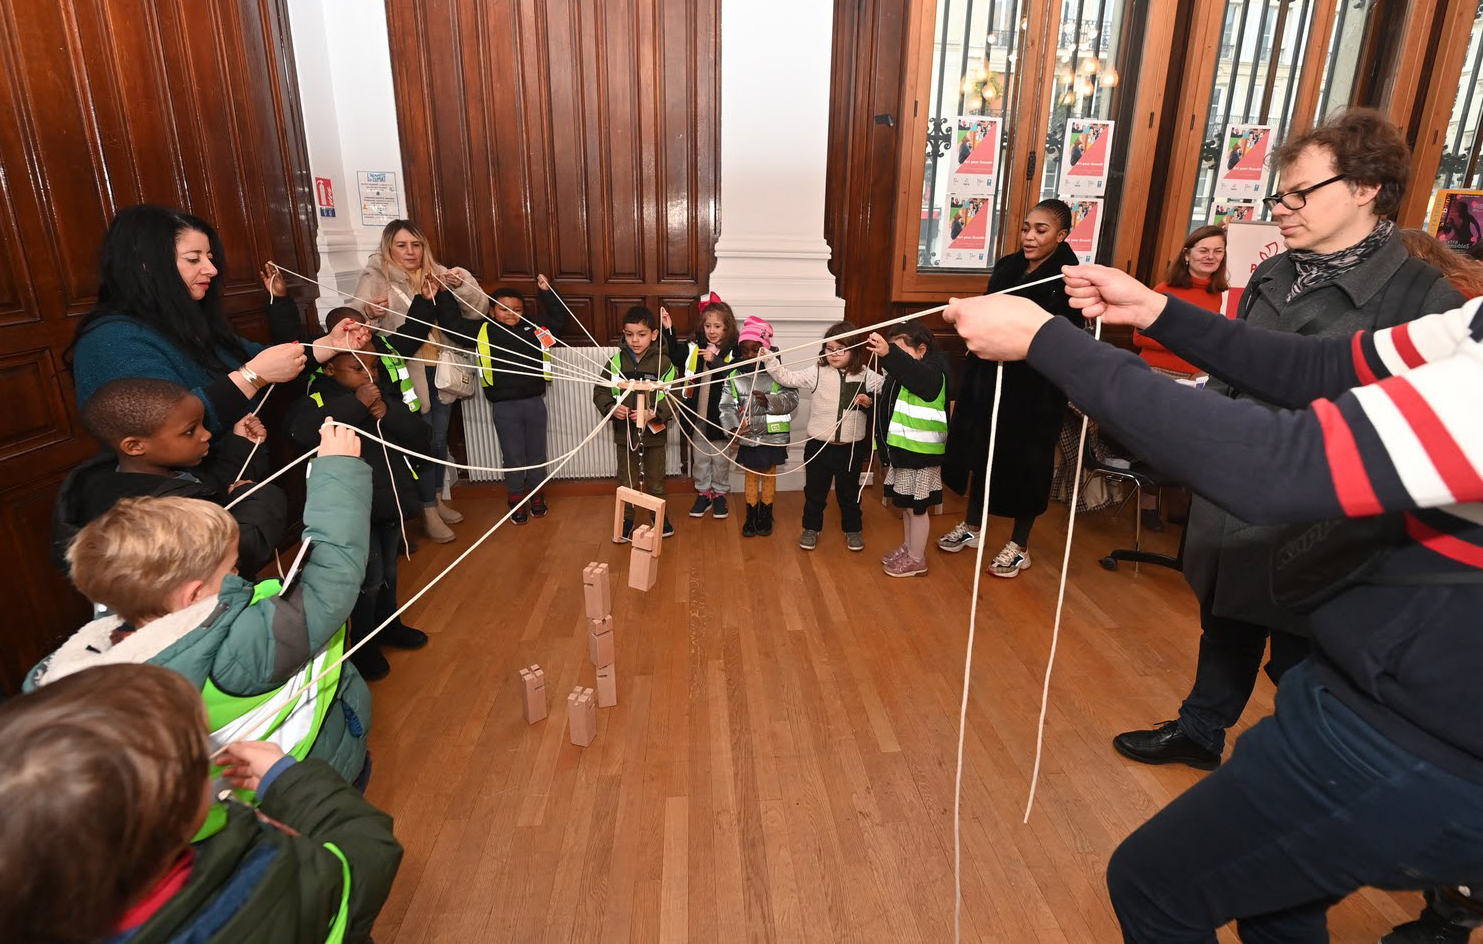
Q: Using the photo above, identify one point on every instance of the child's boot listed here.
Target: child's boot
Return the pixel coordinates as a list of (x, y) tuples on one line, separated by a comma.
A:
[(764, 519), (749, 527), (437, 530)]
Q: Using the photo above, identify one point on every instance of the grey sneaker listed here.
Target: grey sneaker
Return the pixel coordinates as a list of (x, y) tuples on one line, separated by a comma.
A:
[(809, 539), (855, 541), (957, 539)]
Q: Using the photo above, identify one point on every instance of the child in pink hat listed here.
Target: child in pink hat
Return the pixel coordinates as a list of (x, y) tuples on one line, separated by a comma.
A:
[(759, 412)]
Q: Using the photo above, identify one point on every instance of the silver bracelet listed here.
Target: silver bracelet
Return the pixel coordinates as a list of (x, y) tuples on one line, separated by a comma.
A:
[(251, 376)]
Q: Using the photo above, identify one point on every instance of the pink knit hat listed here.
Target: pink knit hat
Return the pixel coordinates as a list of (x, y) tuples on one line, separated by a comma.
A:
[(756, 329)]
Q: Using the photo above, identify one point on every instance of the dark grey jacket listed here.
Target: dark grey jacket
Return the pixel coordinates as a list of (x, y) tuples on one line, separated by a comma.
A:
[(1226, 559)]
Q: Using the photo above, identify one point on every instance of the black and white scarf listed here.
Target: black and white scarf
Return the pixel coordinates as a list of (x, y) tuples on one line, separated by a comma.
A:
[(1319, 268)]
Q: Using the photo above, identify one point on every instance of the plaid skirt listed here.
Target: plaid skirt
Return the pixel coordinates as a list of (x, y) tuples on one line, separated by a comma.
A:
[(917, 489)]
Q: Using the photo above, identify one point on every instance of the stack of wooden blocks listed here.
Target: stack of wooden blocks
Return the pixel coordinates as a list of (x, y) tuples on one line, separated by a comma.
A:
[(533, 693), (648, 540), (597, 594)]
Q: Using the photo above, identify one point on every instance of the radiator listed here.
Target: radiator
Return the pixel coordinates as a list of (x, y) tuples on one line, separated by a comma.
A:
[(570, 417)]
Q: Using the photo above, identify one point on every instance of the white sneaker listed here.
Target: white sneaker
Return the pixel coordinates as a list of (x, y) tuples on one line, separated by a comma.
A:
[(1010, 561), (957, 539)]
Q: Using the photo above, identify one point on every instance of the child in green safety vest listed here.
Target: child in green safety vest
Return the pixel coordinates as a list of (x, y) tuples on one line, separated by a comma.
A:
[(639, 357), (163, 567), (911, 425), (354, 390), (107, 779), (758, 411)]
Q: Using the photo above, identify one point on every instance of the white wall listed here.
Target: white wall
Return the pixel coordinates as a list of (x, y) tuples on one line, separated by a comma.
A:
[(343, 59), (771, 257)]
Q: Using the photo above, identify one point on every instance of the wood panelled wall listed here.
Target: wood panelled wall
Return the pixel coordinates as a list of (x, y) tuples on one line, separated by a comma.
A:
[(565, 137), (103, 105)]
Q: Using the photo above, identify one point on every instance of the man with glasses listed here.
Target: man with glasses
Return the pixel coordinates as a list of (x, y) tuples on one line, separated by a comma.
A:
[(1345, 270)]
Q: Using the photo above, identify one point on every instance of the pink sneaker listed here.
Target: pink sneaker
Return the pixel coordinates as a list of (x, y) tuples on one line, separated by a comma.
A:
[(906, 566), (894, 553)]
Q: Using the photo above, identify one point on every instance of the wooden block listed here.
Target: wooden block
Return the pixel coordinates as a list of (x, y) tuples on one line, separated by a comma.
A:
[(581, 716), (648, 538), (643, 570), (601, 647), (640, 410), (533, 693), (631, 496), (597, 590), (607, 686)]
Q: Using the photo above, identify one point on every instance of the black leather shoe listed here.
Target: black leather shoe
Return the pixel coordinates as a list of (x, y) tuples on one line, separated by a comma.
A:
[(401, 636), (1166, 744)]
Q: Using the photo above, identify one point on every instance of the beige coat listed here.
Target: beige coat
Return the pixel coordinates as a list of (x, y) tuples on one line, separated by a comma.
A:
[(398, 292)]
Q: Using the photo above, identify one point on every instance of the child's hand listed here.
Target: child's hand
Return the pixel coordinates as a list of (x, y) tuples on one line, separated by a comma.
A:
[(247, 762), (760, 397), (711, 352), (876, 344), (368, 394), (238, 484), (543, 283), (250, 427), (862, 400), (665, 321), (337, 440), (377, 409), (273, 281), (621, 413)]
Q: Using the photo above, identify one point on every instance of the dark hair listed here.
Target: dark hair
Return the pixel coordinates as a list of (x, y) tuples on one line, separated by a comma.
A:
[(138, 276), (728, 319), (1179, 275), (504, 291), (130, 406), (1366, 147), (857, 354), (638, 314), (1058, 209), (914, 333), (337, 315), (1463, 273), (102, 777)]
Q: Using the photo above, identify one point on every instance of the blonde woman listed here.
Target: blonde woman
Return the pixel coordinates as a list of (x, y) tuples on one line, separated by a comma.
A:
[(392, 278)]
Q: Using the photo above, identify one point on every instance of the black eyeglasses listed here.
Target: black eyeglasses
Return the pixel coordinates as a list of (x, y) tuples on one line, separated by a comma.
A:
[(1296, 199)]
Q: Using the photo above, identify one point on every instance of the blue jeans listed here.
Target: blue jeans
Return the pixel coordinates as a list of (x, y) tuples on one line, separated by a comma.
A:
[(1313, 804), (439, 415), (1231, 653)]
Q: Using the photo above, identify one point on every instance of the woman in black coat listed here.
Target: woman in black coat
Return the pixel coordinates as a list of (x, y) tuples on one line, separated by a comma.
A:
[(1031, 408)]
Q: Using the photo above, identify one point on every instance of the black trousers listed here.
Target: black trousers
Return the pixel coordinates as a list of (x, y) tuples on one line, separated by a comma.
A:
[(838, 468)]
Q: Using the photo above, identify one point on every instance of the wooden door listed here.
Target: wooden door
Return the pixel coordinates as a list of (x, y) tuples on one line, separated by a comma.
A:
[(565, 137), (103, 105)]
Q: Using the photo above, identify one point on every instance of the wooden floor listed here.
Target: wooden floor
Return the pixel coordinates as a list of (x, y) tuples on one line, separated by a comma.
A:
[(780, 763)]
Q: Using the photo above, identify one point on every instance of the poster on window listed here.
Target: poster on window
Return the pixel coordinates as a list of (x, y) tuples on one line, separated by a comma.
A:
[(379, 203), (1248, 245), (1085, 156), (1457, 218), (975, 157), (1086, 227), (965, 239), (1225, 211), (1241, 168)]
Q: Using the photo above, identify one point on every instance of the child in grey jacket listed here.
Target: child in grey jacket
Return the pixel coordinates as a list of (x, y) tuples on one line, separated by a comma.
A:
[(758, 412)]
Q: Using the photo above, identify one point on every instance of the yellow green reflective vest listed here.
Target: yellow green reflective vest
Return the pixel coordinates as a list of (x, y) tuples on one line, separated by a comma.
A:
[(485, 351), (919, 425), (296, 723), (615, 369)]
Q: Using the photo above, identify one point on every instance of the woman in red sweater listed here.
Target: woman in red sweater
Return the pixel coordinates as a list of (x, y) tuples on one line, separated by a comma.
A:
[(1199, 277)]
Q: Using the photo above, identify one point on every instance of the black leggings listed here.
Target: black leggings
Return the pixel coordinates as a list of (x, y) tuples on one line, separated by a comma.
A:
[(1022, 524)]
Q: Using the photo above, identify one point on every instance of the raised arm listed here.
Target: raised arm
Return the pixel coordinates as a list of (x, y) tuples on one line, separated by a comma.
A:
[(1354, 455), (797, 379)]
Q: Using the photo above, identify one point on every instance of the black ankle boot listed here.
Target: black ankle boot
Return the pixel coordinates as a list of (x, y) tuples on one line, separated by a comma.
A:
[(749, 527), (764, 519)]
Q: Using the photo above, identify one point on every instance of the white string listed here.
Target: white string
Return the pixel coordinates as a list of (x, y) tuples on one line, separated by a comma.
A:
[(573, 316), (257, 485), (978, 572), (473, 367), (1055, 636), (407, 315), (590, 359), (391, 477), (530, 370), (274, 704), (256, 442), (860, 494)]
